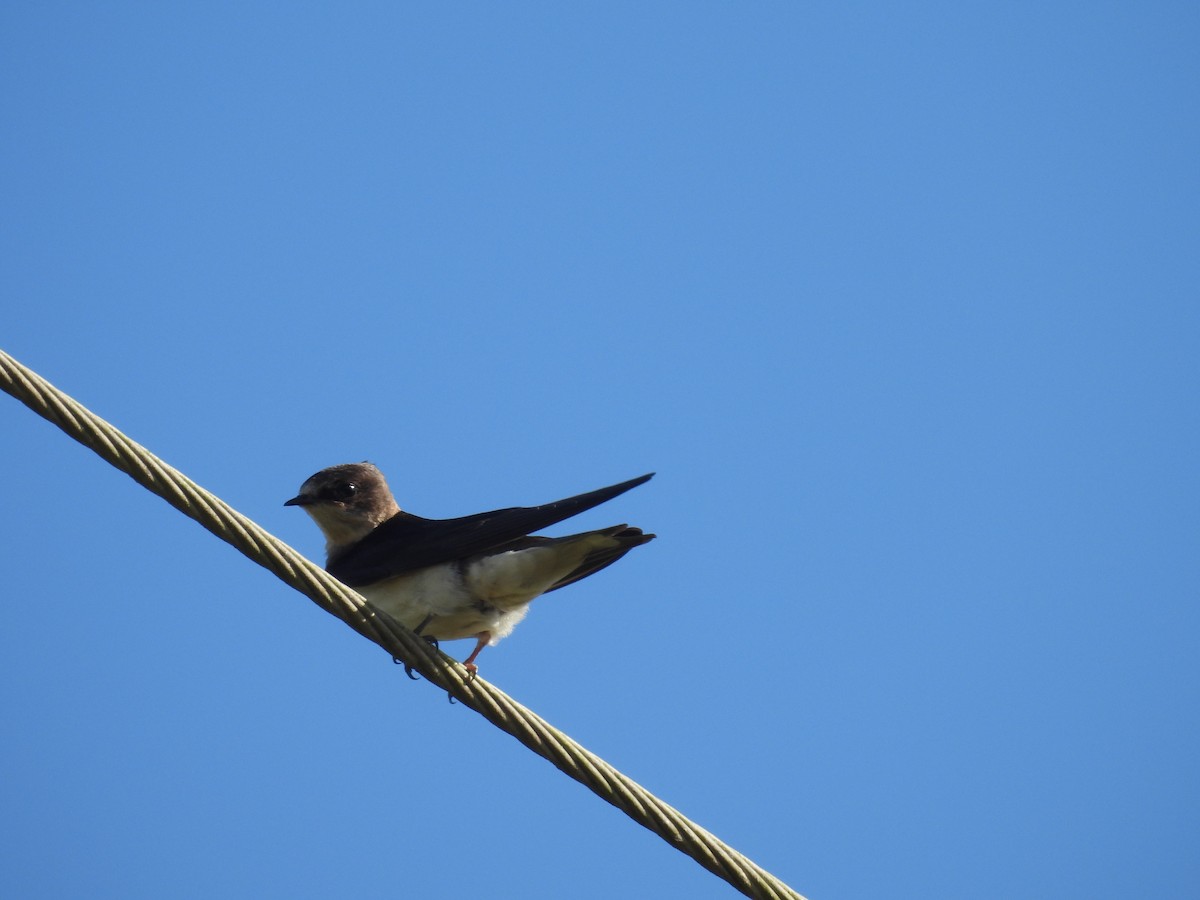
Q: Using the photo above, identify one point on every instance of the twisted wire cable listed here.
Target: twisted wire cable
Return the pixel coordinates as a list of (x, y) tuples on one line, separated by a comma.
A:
[(335, 598)]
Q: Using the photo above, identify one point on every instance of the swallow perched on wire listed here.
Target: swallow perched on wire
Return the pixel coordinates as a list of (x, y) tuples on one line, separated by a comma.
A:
[(446, 579)]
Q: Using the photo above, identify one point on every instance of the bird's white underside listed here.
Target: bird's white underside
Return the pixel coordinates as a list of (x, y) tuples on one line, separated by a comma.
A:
[(489, 593)]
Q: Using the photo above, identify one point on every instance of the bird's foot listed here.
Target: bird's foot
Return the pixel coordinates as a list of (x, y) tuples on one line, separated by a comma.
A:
[(408, 669), (469, 663)]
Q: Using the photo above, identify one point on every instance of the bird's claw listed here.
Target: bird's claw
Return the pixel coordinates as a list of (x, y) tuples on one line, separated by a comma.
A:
[(408, 669)]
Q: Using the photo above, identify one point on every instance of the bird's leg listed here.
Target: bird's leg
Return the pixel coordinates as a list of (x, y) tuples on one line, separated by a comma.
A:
[(429, 639), (469, 663)]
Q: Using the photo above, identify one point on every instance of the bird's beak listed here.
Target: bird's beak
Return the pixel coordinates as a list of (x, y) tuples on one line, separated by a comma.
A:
[(299, 500)]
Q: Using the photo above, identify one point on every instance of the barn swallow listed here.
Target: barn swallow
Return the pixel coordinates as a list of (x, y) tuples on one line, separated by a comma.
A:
[(446, 579)]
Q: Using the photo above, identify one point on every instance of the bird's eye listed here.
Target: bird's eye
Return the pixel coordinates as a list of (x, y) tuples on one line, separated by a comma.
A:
[(344, 491)]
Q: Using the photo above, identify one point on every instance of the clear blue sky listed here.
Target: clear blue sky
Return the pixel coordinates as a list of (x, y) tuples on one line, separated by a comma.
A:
[(900, 302)]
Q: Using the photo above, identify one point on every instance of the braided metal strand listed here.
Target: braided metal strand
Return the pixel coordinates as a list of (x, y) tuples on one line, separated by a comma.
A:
[(335, 598)]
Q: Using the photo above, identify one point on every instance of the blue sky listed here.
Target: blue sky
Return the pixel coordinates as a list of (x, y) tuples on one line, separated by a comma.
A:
[(899, 302)]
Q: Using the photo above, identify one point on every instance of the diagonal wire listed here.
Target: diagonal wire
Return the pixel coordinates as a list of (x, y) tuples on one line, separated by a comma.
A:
[(335, 598)]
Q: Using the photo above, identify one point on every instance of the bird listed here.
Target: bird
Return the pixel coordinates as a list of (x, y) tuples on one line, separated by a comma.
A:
[(447, 579)]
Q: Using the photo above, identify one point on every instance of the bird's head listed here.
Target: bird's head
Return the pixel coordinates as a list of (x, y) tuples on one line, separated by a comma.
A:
[(347, 502)]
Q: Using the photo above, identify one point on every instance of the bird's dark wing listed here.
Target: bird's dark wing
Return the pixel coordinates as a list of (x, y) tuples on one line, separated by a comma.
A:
[(406, 542)]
